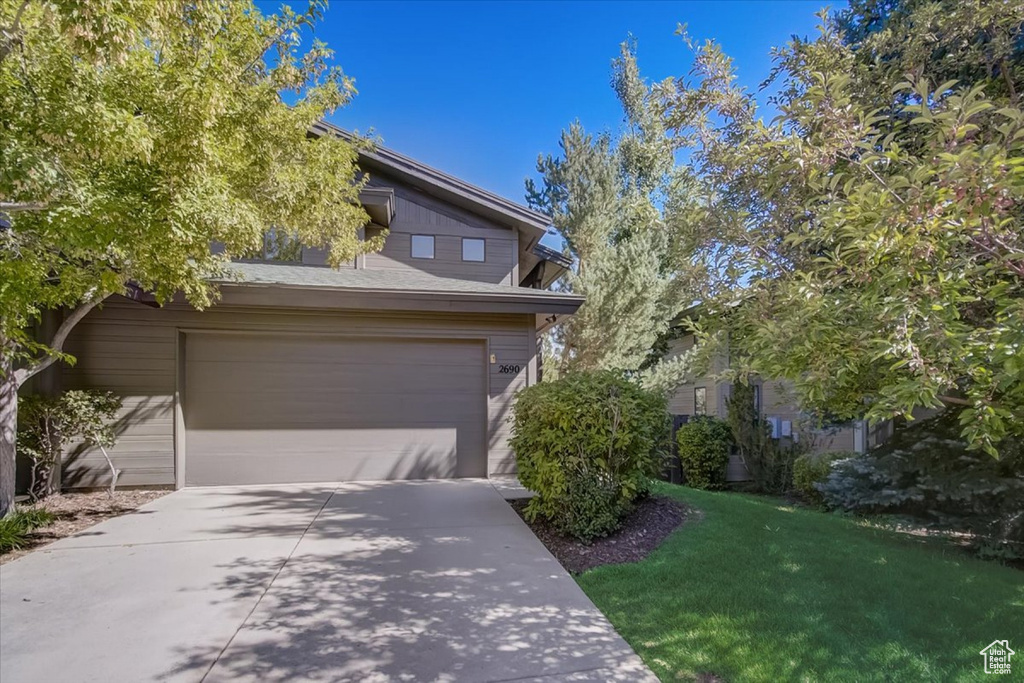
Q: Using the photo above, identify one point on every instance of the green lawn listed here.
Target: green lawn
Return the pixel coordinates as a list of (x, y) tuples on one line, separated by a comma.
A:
[(758, 591)]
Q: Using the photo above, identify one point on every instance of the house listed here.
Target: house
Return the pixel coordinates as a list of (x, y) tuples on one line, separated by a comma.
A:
[(402, 365), (775, 401), (997, 657)]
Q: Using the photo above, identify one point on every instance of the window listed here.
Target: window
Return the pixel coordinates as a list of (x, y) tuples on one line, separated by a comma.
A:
[(278, 245), (472, 249), (423, 246), (700, 401), (757, 399), (281, 246)]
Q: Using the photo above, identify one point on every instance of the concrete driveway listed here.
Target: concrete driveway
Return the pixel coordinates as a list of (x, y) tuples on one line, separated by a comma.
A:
[(402, 581)]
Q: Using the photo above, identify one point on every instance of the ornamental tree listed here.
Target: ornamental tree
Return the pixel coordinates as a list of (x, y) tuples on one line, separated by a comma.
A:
[(135, 133)]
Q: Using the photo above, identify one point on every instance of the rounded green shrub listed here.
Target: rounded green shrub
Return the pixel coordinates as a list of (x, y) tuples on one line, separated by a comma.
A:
[(811, 469), (587, 444), (704, 445)]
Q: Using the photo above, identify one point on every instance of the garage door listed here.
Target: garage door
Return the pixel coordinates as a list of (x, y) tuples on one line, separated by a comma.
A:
[(263, 409)]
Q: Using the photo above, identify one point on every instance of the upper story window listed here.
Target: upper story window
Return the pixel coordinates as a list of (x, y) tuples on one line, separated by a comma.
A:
[(423, 246), (700, 401), (473, 249), (278, 245)]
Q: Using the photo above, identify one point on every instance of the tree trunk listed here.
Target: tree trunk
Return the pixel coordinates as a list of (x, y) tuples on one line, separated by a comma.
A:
[(8, 432), (114, 472), (10, 381)]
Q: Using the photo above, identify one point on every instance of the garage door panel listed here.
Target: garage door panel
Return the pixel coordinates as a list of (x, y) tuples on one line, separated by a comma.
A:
[(287, 408), (431, 453), (355, 412), (283, 375), (312, 350)]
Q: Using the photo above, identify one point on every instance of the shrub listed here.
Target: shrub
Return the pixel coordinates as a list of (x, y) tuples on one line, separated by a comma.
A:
[(587, 444), (15, 528), (704, 446), (48, 423), (927, 475), (810, 471)]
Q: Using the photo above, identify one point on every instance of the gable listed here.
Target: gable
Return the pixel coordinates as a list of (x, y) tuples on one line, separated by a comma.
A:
[(418, 215)]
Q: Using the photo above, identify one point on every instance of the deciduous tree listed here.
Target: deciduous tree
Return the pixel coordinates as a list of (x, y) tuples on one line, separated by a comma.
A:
[(133, 133), (868, 242)]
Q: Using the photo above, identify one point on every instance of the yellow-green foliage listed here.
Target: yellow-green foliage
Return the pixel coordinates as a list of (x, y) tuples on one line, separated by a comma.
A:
[(867, 244), (137, 133), (14, 528)]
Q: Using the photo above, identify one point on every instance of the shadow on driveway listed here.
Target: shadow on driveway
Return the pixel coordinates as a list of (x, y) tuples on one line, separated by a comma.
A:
[(417, 581)]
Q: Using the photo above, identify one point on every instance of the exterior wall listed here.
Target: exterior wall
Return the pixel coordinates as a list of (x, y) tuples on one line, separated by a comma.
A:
[(418, 214), (682, 400), (776, 401), (133, 350)]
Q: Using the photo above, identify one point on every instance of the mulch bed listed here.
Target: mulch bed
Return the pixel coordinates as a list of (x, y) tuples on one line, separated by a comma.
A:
[(76, 511), (644, 529)]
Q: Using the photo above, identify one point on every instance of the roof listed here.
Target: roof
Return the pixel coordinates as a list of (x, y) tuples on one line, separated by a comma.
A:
[(549, 254), (446, 187), (407, 283)]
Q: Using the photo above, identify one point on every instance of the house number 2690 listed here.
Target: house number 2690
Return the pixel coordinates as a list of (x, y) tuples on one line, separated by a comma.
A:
[(508, 369)]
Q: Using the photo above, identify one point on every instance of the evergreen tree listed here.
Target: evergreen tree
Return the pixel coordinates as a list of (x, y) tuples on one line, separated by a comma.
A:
[(605, 195)]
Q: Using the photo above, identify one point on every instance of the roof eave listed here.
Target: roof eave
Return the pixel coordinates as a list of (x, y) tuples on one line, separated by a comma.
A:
[(449, 188), (517, 300)]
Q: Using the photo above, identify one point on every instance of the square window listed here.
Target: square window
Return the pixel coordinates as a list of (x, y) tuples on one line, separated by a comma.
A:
[(423, 246), (700, 401), (472, 249)]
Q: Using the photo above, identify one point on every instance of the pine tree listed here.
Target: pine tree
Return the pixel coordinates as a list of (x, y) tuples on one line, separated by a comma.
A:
[(604, 195)]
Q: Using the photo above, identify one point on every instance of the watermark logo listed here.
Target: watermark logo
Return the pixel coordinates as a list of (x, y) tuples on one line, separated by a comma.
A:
[(997, 657)]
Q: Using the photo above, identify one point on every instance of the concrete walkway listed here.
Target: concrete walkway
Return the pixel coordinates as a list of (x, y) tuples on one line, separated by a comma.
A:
[(402, 581)]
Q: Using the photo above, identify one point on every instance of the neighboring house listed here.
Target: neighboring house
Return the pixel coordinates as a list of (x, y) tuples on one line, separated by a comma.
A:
[(774, 400), (402, 365)]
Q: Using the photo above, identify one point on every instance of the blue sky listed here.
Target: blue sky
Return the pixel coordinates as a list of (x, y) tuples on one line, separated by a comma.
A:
[(480, 89)]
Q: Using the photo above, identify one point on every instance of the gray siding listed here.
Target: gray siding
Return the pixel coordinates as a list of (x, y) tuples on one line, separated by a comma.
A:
[(132, 349), (681, 402), (418, 214)]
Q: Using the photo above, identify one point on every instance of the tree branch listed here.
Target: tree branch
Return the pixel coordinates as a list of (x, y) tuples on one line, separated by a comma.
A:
[(22, 206), (22, 375), (10, 34), (1008, 77), (955, 401)]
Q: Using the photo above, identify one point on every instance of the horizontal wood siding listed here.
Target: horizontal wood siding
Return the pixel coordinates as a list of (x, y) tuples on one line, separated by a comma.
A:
[(131, 349), (681, 402), (418, 214), (512, 350)]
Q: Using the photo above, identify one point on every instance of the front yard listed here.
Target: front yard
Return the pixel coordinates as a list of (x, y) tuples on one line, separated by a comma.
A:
[(757, 591)]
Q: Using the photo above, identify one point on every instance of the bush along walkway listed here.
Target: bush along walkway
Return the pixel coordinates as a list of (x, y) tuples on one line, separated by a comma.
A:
[(758, 591)]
